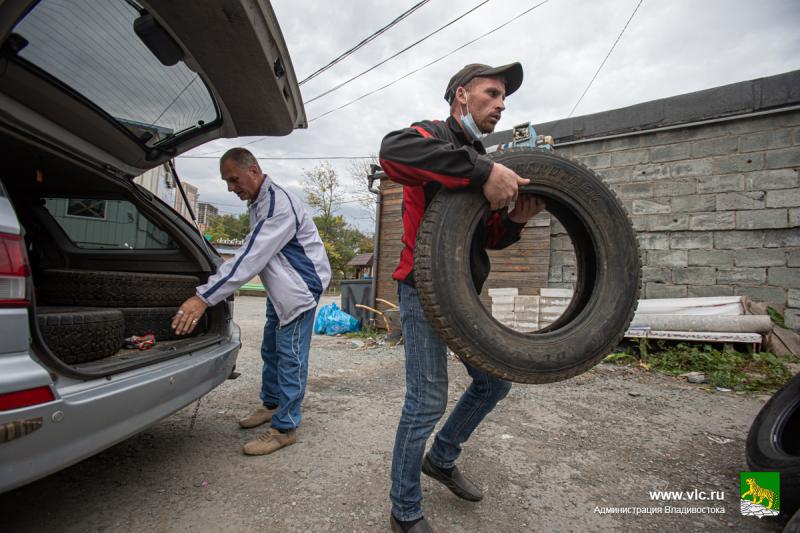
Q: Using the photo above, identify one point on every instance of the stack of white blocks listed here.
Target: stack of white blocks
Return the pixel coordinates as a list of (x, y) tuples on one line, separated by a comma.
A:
[(528, 313)]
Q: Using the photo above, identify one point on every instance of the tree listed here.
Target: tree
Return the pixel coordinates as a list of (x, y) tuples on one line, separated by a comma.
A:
[(228, 226), (359, 169), (323, 193)]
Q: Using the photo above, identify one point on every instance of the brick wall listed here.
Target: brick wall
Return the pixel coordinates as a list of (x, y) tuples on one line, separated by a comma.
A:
[(716, 208)]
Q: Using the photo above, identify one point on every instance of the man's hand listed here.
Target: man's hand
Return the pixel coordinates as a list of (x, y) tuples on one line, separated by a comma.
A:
[(188, 315), (501, 187), (526, 207)]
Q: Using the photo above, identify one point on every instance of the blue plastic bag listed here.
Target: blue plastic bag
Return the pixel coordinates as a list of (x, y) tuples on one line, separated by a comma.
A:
[(332, 321)]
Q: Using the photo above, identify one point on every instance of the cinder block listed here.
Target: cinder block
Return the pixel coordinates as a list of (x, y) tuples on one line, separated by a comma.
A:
[(503, 300), (670, 152), (555, 293), (673, 222), (694, 240), (726, 183), (693, 167), (694, 276), (733, 201), (526, 304), (526, 325), (788, 157), (760, 258), (723, 258), (729, 164), (762, 219), (785, 198), (788, 277), (650, 172), (778, 238), (794, 217), (502, 308), (784, 178), (742, 276), (773, 295), (793, 258), (793, 298), (667, 258), (712, 221), (595, 160), (635, 190), (694, 203), (653, 241), (663, 290), (676, 187), (649, 207), (510, 291), (626, 158), (616, 175), (792, 319), (765, 140), (570, 274), (717, 146), (562, 242), (555, 274), (737, 240), (620, 143), (702, 291), (562, 258)]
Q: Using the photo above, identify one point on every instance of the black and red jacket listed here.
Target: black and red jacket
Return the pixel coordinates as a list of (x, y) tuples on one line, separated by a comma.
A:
[(427, 156)]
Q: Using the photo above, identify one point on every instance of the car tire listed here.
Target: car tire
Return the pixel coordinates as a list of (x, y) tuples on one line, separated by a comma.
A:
[(608, 274), (793, 525), (773, 442), (155, 320), (80, 334), (97, 288)]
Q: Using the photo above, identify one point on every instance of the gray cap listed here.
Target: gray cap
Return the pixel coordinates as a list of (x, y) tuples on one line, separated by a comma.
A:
[(511, 72)]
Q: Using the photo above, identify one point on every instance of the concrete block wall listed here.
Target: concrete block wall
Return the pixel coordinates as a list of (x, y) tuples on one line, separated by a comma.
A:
[(716, 208)]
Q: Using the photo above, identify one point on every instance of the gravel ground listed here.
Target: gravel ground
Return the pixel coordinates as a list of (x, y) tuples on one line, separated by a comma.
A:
[(546, 458)]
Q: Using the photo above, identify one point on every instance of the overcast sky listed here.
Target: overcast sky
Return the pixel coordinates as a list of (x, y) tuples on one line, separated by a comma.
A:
[(670, 47)]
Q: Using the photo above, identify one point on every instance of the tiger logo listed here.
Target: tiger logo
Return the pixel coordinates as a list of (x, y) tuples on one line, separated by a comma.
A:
[(759, 494)]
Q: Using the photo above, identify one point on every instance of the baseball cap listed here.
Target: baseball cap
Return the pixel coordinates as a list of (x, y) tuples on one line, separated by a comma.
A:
[(511, 72)]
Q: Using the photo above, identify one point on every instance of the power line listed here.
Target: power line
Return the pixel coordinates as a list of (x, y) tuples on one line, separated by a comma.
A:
[(407, 48), (364, 42), (606, 58), (506, 23)]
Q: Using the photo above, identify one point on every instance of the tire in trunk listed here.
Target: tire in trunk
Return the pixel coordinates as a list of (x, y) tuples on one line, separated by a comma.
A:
[(80, 334), (773, 443), (606, 290), (155, 320), (114, 289)]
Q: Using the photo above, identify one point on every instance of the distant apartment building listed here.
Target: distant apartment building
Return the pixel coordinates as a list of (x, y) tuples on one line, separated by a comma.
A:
[(204, 213), (192, 195)]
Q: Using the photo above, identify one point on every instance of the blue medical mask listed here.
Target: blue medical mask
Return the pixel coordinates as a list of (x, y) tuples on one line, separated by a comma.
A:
[(468, 122)]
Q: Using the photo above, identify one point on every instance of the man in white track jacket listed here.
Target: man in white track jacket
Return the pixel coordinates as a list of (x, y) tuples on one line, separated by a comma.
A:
[(285, 250)]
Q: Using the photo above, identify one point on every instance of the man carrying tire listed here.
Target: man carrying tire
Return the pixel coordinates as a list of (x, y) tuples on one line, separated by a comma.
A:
[(423, 158), (285, 250)]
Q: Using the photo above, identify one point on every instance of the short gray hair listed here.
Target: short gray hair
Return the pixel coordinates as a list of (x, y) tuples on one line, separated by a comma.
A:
[(241, 156)]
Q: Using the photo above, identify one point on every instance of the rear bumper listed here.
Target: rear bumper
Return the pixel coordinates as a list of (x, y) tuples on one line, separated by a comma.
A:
[(89, 416)]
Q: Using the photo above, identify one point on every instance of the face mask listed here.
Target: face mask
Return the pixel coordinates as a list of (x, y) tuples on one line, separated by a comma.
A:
[(469, 124)]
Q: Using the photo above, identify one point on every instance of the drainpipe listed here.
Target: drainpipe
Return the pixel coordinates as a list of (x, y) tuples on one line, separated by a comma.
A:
[(376, 174)]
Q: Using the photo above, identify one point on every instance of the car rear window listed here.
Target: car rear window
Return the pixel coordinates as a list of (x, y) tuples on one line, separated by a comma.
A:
[(91, 47), (97, 223)]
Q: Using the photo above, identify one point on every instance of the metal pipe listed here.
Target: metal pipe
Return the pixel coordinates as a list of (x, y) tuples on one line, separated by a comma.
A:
[(376, 174)]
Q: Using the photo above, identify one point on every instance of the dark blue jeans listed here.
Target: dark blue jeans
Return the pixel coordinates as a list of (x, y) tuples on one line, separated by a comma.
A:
[(425, 403), (284, 351)]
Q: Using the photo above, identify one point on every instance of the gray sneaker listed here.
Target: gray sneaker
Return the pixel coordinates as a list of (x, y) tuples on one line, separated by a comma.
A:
[(261, 415)]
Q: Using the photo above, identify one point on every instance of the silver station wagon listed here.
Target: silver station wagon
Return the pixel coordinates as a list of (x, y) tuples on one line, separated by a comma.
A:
[(95, 99)]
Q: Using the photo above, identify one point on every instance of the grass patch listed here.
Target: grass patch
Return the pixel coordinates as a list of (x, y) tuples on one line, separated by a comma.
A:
[(724, 367), (367, 332)]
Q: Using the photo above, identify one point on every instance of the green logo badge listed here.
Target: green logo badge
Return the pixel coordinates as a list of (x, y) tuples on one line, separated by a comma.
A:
[(760, 493)]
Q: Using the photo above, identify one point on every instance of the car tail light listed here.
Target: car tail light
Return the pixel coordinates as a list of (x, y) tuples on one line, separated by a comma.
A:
[(14, 271), (25, 398)]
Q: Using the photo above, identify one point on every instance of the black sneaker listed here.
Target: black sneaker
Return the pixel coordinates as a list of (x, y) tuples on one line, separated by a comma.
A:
[(419, 527), (453, 480)]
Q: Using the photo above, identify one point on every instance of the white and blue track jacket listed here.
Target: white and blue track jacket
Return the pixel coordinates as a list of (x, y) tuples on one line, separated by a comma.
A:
[(283, 248)]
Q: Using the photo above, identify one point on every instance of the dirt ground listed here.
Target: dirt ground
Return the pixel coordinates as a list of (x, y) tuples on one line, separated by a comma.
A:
[(546, 458)]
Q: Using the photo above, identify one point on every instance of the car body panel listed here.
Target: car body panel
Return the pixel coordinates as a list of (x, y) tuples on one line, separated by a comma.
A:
[(90, 416)]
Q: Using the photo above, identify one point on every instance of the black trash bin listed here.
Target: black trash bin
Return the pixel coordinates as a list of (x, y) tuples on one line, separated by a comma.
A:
[(357, 291)]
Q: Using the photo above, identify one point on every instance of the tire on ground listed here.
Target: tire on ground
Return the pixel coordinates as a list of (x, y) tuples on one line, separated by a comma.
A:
[(155, 320), (113, 289), (773, 443), (606, 290), (81, 334)]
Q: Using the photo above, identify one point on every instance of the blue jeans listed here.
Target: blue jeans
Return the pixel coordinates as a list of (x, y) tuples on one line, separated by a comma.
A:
[(284, 351), (425, 403)]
